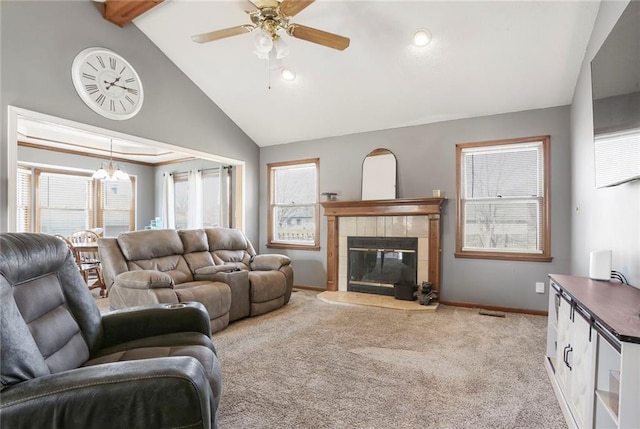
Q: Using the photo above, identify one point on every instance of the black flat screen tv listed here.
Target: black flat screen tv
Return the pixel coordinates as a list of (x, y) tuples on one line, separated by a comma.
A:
[(615, 84)]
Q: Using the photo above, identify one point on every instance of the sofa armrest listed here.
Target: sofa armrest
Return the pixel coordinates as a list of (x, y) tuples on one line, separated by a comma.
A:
[(144, 279), (268, 262), (100, 396), (150, 320), (215, 269)]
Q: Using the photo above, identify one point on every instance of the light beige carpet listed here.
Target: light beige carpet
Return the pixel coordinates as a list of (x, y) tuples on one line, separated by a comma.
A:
[(313, 364)]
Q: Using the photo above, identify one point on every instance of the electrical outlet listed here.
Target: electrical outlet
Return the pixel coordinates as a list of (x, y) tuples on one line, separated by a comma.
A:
[(539, 287)]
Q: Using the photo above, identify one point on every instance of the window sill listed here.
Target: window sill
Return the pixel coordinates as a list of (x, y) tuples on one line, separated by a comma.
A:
[(504, 256), (292, 246)]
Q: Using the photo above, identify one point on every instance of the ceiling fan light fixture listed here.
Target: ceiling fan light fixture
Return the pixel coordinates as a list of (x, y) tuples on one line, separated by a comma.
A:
[(288, 74), (421, 38), (281, 47), (263, 42)]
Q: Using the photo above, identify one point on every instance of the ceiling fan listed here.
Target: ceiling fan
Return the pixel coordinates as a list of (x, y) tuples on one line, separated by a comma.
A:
[(272, 16)]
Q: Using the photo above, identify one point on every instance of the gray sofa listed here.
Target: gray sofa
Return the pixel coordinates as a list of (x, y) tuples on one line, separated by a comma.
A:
[(215, 266), (66, 366)]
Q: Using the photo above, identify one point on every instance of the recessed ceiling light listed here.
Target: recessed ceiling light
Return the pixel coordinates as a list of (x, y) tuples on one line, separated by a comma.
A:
[(421, 37), (288, 74)]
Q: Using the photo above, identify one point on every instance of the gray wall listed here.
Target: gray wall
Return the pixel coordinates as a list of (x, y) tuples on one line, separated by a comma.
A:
[(426, 161), (144, 175), (607, 218), (39, 40)]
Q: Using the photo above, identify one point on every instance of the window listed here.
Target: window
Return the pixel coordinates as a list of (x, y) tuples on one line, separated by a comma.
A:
[(23, 194), (60, 202), (293, 204), (503, 199), (115, 212), (200, 198), (64, 201)]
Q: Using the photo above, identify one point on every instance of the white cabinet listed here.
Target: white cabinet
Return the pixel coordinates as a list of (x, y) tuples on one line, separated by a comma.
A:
[(574, 357), (593, 352)]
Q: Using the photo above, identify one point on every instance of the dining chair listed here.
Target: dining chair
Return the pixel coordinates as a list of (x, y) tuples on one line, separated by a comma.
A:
[(71, 248), (85, 243)]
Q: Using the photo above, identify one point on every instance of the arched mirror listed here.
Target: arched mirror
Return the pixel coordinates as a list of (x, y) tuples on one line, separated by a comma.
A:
[(379, 175)]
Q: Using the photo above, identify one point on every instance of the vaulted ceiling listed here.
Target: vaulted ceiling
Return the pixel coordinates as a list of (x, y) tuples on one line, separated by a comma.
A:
[(485, 57)]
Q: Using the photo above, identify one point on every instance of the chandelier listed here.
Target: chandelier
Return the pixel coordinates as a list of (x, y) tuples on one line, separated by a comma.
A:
[(110, 171)]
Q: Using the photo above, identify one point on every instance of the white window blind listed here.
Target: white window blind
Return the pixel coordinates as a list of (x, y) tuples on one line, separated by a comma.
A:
[(24, 193), (116, 206), (617, 156), (294, 203), (502, 191), (65, 202)]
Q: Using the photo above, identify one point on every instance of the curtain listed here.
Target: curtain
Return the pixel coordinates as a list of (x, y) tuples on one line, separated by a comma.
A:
[(225, 181), (168, 201), (195, 199)]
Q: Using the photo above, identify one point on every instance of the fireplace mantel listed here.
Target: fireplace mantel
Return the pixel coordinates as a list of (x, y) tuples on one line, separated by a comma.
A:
[(430, 207)]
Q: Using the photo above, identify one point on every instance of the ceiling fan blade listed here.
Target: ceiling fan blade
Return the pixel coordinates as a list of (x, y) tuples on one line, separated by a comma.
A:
[(221, 34), (293, 7), (265, 3), (318, 36)]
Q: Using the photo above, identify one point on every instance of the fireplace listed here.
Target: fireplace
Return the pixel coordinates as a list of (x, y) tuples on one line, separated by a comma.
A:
[(376, 263), (401, 217)]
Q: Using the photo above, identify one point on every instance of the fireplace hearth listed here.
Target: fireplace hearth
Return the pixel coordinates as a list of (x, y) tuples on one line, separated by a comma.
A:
[(375, 264)]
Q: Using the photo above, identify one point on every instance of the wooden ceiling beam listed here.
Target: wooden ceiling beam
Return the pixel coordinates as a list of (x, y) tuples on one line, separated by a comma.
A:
[(122, 12)]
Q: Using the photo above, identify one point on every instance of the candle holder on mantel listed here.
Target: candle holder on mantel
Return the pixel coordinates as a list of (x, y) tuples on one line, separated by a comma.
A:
[(330, 196)]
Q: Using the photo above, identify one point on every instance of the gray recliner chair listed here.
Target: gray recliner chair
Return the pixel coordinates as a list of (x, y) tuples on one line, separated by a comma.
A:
[(65, 365)]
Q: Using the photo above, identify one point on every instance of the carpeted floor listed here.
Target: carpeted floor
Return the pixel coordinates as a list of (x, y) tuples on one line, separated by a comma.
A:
[(314, 365)]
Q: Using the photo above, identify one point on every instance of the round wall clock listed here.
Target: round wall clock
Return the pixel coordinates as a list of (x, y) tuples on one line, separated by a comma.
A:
[(107, 83)]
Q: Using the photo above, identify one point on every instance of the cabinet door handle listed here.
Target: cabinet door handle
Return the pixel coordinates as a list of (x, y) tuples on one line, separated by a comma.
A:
[(564, 355), (566, 361)]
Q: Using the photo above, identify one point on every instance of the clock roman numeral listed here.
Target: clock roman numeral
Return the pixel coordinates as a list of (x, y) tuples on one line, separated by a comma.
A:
[(129, 99), (101, 61), (123, 69), (88, 76), (123, 106), (100, 100), (91, 88), (130, 80), (112, 105), (112, 63), (92, 66), (132, 91)]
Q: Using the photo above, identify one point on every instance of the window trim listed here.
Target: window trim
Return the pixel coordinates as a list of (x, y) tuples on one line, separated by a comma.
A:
[(37, 172), (545, 256), (270, 203)]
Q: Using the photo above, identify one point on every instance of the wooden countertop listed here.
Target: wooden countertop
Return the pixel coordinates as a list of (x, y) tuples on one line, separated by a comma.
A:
[(614, 305)]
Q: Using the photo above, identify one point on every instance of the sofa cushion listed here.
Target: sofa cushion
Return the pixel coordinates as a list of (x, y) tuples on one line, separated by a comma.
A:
[(215, 296), (237, 258), (226, 239), (148, 244), (145, 279), (21, 359), (194, 240), (175, 266), (199, 260)]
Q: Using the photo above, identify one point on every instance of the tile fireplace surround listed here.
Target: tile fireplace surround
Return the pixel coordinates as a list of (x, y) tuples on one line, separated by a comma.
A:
[(403, 217)]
